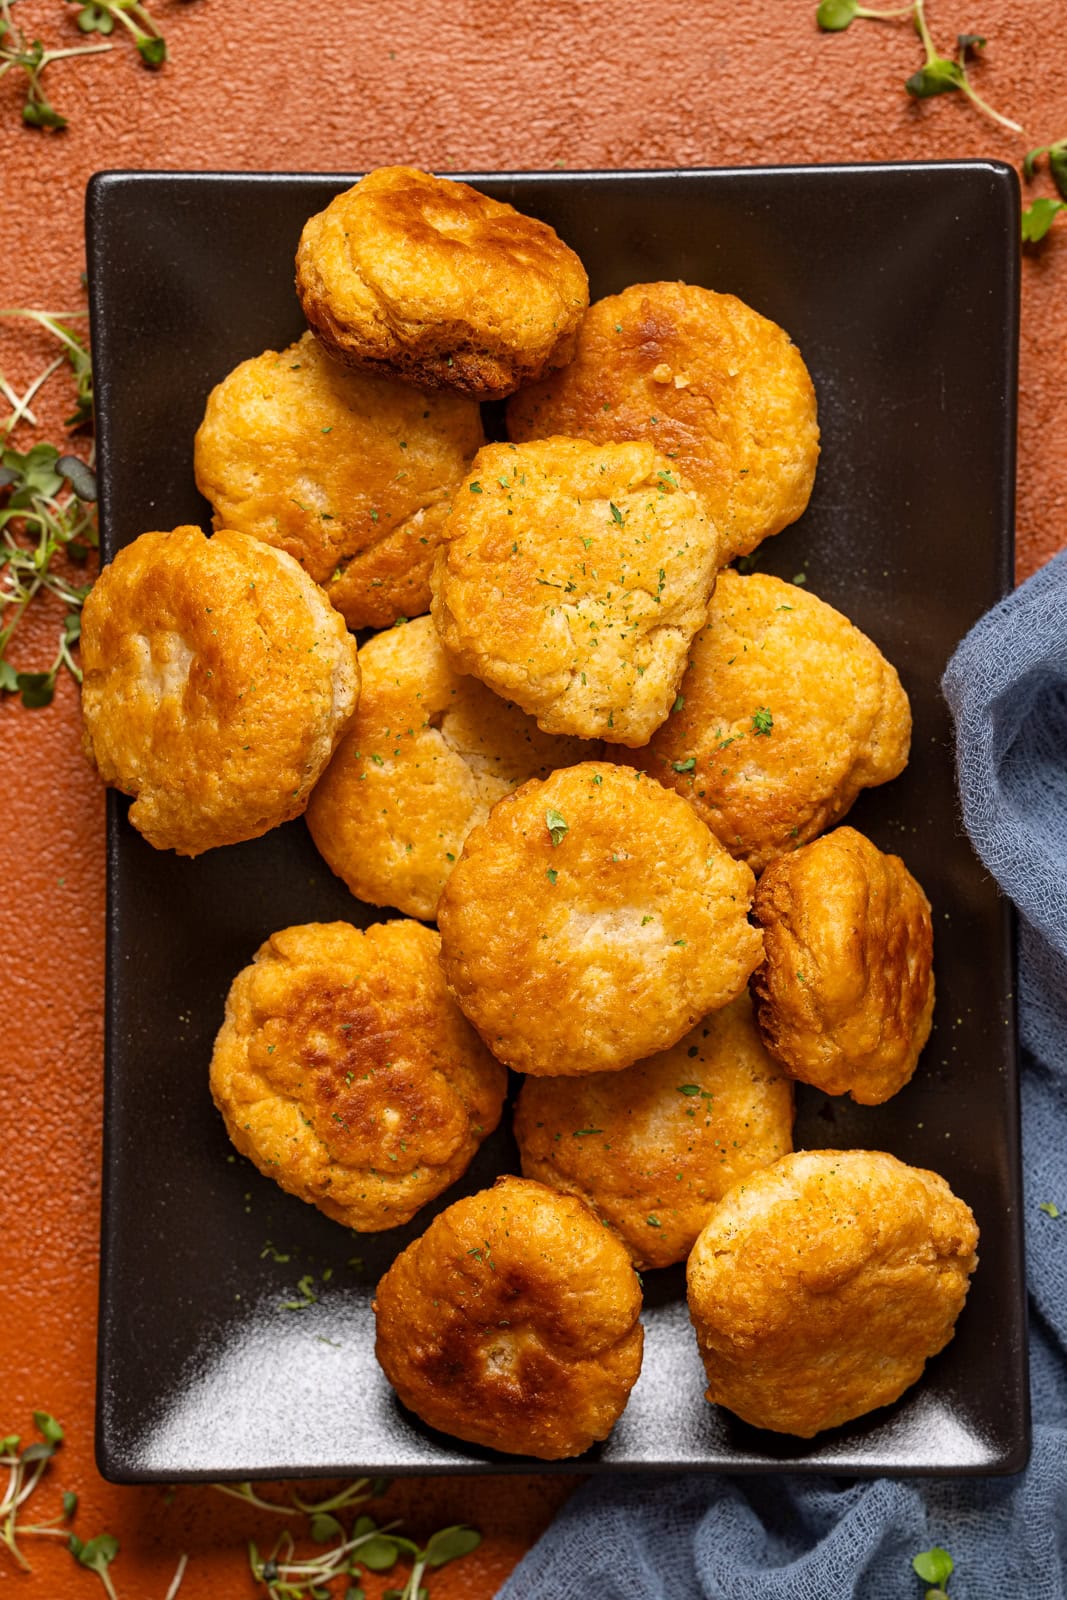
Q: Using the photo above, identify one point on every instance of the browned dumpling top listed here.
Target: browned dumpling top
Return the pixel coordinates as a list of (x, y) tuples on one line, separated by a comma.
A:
[(431, 281), (845, 996), (513, 1323), (822, 1285)]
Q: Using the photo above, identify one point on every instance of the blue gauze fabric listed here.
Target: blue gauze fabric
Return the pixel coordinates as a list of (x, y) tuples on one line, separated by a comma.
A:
[(791, 1538)]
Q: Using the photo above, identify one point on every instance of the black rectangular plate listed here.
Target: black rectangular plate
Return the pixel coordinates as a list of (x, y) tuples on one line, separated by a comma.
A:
[(900, 286)]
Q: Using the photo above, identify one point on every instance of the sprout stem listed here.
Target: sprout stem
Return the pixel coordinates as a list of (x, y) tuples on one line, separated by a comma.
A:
[(176, 1581), (983, 105)]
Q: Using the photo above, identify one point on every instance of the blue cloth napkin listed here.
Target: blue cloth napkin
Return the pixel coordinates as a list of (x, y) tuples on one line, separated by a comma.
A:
[(793, 1538)]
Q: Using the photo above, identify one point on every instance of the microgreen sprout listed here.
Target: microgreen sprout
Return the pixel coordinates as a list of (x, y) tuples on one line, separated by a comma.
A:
[(48, 519), (25, 1469), (100, 16), (449, 1544), (368, 1546), (50, 512), (834, 16), (17, 52), (1040, 214), (1057, 163), (75, 352), (946, 74), (353, 1494), (288, 1578), (97, 1554), (934, 1567), (938, 74)]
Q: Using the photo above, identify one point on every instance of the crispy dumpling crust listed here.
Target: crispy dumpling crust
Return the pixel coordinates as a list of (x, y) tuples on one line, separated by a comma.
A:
[(590, 952), (573, 581), (845, 996), (427, 754), (344, 1070), (351, 473), (513, 1323), (428, 280), (652, 1148), (822, 1285), (787, 711), (217, 681), (717, 387)]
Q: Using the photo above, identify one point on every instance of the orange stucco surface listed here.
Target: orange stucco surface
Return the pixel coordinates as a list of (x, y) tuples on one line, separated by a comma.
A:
[(345, 85)]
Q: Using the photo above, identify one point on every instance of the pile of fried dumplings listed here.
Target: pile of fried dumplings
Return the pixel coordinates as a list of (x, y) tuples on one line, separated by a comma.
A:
[(599, 769)]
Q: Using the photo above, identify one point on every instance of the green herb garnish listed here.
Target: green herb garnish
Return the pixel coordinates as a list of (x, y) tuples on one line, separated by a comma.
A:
[(556, 826)]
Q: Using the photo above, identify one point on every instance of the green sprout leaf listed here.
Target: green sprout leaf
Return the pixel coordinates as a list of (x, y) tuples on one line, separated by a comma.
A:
[(48, 1427), (969, 44), (938, 76), (833, 16), (1031, 159), (47, 519), (762, 722), (37, 689), (933, 1566), (81, 477), (1057, 166), (18, 53), (94, 19), (153, 52), (325, 1527), (1038, 217), (38, 113), (449, 1544), (37, 1452), (379, 1554), (97, 1554)]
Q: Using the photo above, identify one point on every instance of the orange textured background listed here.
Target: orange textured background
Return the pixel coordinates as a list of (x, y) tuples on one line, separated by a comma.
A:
[(345, 85)]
